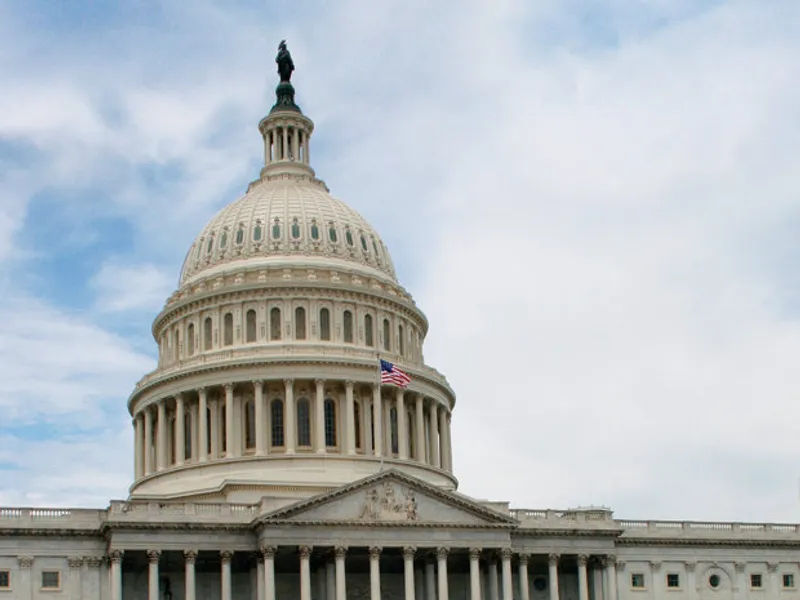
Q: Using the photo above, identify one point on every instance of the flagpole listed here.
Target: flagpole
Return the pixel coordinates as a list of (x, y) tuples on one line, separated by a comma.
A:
[(380, 417)]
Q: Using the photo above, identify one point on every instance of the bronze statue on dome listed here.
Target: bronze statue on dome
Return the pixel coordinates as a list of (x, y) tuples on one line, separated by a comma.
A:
[(285, 63)]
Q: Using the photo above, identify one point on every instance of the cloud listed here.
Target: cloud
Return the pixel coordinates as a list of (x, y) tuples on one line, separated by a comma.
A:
[(121, 287)]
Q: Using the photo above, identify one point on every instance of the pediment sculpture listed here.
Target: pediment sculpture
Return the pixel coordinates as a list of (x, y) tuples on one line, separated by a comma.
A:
[(383, 503)]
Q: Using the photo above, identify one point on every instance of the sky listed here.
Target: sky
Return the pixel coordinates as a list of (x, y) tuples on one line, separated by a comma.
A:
[(595, 204)]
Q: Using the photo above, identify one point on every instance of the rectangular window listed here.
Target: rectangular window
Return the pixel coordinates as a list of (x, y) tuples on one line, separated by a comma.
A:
[(5, 580), (755, 580), (673, 580), (637, 580), (51, 580), (788, 580)]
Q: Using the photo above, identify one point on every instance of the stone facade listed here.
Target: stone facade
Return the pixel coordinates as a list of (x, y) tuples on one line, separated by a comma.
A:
[(272, 463)]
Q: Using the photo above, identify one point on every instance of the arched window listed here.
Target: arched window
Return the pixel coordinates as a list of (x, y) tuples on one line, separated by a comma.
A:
[(208, 340), (348, 236), (223, 239), (276, 230), (277, 423), (400, 344), (357, 424), (332, 236), (227, 324), (324, 324), (295, 230), (223, 430), (239, 235), (348, 327), (250, 319), (368, 332), (275, 323), (303, 422), (393, 429), (314, 231), (330, 422), (249, 425), (190, 339), (300, 323), (364, 243), (257, 232), (187, 434), (387, 335), (176, 345)]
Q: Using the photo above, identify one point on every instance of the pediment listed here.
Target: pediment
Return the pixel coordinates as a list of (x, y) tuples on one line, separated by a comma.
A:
[(392, 498)]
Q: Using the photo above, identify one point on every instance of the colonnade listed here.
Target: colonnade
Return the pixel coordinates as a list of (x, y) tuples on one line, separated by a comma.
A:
[(291, 417), (430, 584)]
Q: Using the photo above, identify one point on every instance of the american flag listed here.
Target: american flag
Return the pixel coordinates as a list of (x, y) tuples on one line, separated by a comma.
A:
[(391, 374)]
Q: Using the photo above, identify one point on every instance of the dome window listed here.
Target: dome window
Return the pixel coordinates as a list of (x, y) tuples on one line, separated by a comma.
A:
[(276, 229), (223, 240), (314, 231), (240, 235), (295, 230), (210, 245), (364, 243), (257, 232), (349, 237), (332, 233), (377, 254)]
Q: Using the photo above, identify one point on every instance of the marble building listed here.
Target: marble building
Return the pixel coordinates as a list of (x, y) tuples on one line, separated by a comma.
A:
[(270, 463)]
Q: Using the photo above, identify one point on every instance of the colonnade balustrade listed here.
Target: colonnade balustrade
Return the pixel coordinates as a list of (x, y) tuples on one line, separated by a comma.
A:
[(262, 418), (425, 573)]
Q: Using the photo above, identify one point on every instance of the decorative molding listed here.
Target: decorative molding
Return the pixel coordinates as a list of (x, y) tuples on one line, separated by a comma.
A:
[(552, 559), (375, 552), (268, 552), (225, 556), (409, 552), (740, 566), (115, 556), (25, 562), (690, 566), (75, 562), (772, 567), (524, 557), (655, 566), (340, 552), (93, 562), (583, 560), (190, 556), (621, 565), (506, 554), (305, 552), (153, 556), (475, 553), (441, 553)]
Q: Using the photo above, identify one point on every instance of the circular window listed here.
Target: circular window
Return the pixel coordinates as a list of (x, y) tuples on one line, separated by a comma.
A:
[(539, 584), (713, 580)]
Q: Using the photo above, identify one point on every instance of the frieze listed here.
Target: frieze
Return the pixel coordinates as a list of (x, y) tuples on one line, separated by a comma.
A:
[(384, 504)]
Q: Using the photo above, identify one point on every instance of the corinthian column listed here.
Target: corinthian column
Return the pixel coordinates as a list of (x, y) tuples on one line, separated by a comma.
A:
[(524, 592), (319, 417), (583, 577), (402, 426), (552, 564), (269, 572), (349, 413), (190, 557), (152, 574), (202, 427), (408, 572), (230, 440), (441, 558), (374, 573), (505, 558), (433, 432), (180, 431), (261, 427), (115, 558), (161, 445), (475, 574), (290, 435), (225, 576), (341, 584), (138, 438), (305, 573), (419, 429), (377, 419)]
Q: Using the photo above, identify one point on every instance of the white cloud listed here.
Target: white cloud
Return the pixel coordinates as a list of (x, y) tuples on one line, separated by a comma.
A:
[(120, 287)]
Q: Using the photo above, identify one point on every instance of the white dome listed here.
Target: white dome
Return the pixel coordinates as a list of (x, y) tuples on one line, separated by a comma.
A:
[(284, 218)]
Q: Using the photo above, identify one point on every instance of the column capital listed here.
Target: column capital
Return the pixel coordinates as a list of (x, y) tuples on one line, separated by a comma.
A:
[(552, 559), (583, 560), (25, 562), (201, 391), (288, 382), (115, 556), (190, 556), (375, 551), (75, 562), (524, 557), (228, 387), (178, 396), (93, 562), (258, 383), (305, 551), (226, 556), (740, 566), (772, 567), (505, 553), (268, 551), (349, 384), (621, 565), (609, 560), (442, 552), (153, 556), (475, 553), (340, 551), (655, 565), (408, 552)]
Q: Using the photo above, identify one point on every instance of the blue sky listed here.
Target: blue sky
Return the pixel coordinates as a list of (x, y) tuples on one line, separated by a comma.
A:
[(596, 204)]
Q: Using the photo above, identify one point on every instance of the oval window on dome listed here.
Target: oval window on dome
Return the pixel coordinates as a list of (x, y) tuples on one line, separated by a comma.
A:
[(223, 240), (332, 235), (364, 243), (276, 230), (314, 231), (240, 236), (349, 237), (257, 232), (295, 230)]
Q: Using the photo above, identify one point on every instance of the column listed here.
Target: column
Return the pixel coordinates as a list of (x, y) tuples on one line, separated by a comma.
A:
[(611, 577), (773, 585), (408, 572), (260, 576), (190, 556), (449, 445), (377, 419), (161, 442), (374, 573), (552, 563), (152, 573), (269, 572), (583, 577), (524, 592), (230, 442), (475, 574), (443, 441), (215, 430), (330, 580), (350, 419), (25, 582), (740, 582), (285, 148), (305, 573), (366, 424), (290, 434), (402, 426), (387, 428), (419, 429), (341, 584), (90, 581), (148, 441), (75, 563), (296, 144), (138, 442), (441, 559), (180, 431), (494, 586), (202, 427), (319, 417), (261, 428), (194, 413), (115, 557), (655, 591), (505, 558), (433, 443), (430, 578), (225, 560)]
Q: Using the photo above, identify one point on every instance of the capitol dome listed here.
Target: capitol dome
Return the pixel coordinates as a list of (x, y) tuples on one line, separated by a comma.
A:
[(268, 385)]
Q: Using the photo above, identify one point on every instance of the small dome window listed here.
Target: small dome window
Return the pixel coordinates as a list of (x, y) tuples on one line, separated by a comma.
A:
[(223, 240), (375, 248), (349, 237), (276, 229), (210, 245), (332, 235), (257, 232), (295, 230), (364, 243), (240, 235), (314, 231)]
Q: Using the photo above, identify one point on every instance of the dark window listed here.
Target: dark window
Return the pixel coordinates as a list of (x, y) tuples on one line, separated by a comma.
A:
[(300, 323), (187, 434), (257, 232), (324, 324), (387, 335), (208, 340), (277, 422), (275, 323), (303, 422), (393, 429), (223, 240), (223, 429), (368, 332), (295, 230), (5, 580), (713, 580), (755, 580), (400, 341), (314, 231), (539, 583), (250, 425), (637, 580), (51, 580), (208, 431), (251, 325), (348, 327), (330, 422), (332, 234), (357, 426), (190, 339), (239, 236), (349, 237), (364, 243), (228, 330), (276, 230), (788, 580), (673, 580)]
